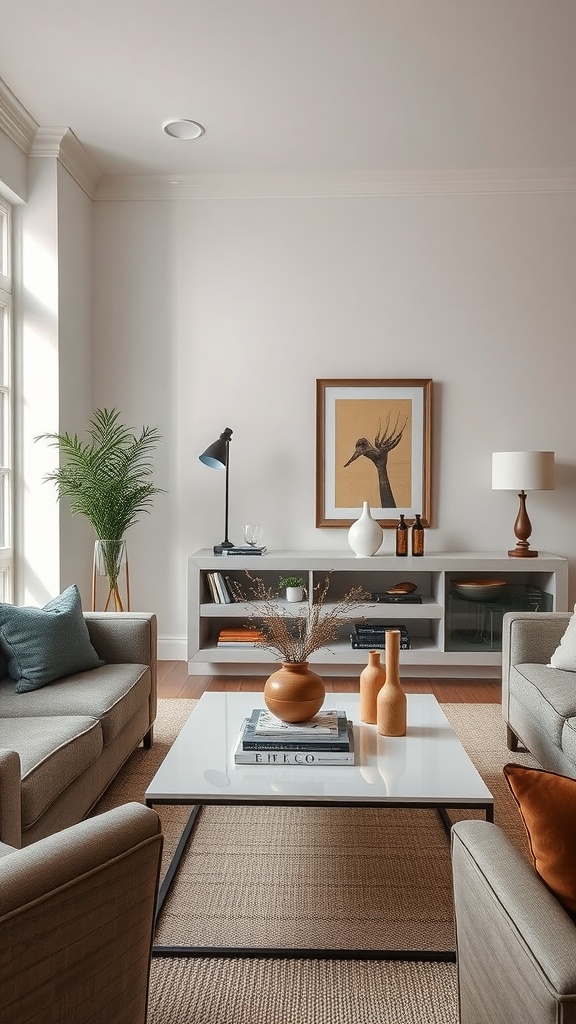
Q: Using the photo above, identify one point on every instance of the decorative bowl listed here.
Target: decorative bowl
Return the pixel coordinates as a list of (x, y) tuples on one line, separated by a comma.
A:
[(479, 590)]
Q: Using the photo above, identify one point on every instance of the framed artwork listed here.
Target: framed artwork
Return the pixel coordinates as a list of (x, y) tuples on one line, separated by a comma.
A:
[(373, 443)]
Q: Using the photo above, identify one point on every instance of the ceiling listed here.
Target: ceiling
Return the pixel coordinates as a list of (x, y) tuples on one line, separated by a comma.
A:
[(300, 86)]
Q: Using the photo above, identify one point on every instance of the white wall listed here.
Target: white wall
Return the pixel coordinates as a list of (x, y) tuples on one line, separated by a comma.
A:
[(223, 312)]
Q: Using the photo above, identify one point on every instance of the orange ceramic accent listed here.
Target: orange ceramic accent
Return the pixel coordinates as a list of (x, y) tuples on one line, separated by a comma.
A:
[(372, 679), (294, 693), (391, 703)]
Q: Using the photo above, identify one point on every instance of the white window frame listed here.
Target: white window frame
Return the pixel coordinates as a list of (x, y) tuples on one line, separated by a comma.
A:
[(6, 406)]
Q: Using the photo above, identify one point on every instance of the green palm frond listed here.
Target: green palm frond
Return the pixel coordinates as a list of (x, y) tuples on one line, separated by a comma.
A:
[(108, 478)]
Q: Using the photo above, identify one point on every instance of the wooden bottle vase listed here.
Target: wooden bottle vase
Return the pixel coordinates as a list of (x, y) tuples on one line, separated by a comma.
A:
[(391, 701), (372, 679)]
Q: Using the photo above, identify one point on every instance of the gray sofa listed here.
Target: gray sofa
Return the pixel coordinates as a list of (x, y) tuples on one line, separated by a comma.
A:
[(76, 921), (61, 745), (538, 703), (515, 943)]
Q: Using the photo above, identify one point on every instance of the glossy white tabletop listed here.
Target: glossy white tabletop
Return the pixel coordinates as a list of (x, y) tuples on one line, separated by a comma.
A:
[(428, 765)]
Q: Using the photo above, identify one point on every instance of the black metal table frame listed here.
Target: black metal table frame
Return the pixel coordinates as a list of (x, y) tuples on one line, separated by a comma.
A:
[(306, 952)]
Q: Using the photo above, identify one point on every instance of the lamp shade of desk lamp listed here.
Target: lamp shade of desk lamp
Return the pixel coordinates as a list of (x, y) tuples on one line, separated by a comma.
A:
[(217, 456), (522, 471)]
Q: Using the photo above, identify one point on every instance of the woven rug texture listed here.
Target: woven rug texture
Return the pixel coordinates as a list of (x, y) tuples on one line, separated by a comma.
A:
[(330, 878)]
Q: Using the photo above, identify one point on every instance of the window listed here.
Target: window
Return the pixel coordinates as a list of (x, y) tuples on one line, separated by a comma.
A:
[(6, 453)]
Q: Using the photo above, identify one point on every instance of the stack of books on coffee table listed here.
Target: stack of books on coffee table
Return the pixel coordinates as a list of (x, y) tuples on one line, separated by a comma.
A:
[(371, 635), (326, 739)]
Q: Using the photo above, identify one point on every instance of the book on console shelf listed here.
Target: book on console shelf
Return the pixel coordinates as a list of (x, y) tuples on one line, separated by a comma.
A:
[(385, 598), (219, 588), (239, 550), (294, 739), (240, 638), (372, 634), (280, 755)]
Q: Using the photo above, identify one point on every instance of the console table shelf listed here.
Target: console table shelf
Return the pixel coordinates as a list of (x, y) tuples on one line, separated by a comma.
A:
[(448, 634)]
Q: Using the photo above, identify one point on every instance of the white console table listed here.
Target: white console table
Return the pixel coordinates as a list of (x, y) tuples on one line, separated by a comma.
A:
[(449, 636)]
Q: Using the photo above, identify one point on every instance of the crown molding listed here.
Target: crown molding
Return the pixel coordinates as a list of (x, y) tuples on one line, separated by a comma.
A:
[(62, 144), (15, 121), (275, 186)]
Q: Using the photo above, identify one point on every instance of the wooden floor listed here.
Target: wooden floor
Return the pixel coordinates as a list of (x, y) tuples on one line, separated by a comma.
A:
[(174, 682)]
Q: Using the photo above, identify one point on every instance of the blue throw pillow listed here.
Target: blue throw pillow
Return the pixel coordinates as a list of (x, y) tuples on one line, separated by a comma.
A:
[(44, 644)]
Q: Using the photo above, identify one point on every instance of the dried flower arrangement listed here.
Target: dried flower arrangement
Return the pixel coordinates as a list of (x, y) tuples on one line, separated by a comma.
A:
[(293, 637)]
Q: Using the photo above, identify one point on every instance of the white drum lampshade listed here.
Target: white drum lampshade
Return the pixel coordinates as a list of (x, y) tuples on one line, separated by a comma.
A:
[(521, 472)]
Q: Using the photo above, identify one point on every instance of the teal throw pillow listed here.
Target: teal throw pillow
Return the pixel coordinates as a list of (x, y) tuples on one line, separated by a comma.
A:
[(44, 644)]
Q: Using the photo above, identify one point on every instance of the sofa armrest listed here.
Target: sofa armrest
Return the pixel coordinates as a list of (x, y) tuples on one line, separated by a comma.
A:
[(10, 798), (76, 920), (516, 945), (529, 638), (127, 638)]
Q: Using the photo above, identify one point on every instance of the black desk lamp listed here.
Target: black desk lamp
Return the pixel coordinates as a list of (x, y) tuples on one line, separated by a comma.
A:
[(217, 456)]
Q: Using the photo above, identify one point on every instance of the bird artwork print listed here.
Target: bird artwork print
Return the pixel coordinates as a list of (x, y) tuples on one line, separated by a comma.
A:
[(377, 451)]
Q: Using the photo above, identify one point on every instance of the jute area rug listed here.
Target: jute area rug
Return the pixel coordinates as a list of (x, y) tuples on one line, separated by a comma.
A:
[(333, 878)]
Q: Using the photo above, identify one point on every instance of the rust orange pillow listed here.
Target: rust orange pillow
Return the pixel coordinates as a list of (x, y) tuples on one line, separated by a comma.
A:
[(547, 804)]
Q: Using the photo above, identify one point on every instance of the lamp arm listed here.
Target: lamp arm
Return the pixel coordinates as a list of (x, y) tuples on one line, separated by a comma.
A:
[(226, 543)]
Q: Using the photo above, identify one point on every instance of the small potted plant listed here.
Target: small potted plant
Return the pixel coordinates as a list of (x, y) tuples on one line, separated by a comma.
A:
[(294, 587)]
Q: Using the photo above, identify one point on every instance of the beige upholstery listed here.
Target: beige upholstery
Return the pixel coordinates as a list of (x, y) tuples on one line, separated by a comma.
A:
[(516, 945), (76, 922), (61, 745), (538, 703)]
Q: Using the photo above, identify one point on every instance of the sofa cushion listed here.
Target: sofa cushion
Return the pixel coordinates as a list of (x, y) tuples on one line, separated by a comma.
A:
[(113, 694), (547, 804), (547, 694), (44, 644), (53, 752), (564, 657)]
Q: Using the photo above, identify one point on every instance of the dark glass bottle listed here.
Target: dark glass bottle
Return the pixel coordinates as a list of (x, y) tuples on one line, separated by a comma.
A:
[(417, 537), (401, 538)]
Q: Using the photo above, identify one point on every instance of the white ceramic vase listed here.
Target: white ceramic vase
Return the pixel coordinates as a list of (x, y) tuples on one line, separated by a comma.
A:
[(294, 594), (365, 535)]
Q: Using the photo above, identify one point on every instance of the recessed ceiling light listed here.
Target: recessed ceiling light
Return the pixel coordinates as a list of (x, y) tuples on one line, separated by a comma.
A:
[(183, 128)]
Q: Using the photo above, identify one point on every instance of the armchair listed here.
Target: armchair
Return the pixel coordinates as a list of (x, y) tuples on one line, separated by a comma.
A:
[(76, 921), (516, 945)]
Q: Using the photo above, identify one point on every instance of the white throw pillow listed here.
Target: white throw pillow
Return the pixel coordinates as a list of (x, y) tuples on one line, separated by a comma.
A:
[(565, 654)]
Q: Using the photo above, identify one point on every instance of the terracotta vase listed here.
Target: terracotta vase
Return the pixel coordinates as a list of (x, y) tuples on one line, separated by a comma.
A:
[(294, 693), (391, 702), (372, 679)]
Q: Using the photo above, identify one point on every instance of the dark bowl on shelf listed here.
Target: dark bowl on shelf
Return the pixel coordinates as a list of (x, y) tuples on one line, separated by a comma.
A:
[(479, 590)]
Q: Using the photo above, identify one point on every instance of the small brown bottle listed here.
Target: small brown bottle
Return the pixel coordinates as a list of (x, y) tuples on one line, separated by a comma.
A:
[(417, 537), (401, 538)]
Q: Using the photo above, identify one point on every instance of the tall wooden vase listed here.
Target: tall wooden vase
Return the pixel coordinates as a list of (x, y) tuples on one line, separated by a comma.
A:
[(372, 679), (391, 702)]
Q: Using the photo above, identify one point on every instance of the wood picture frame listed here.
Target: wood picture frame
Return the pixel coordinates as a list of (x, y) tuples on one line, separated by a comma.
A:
[(373, 443)]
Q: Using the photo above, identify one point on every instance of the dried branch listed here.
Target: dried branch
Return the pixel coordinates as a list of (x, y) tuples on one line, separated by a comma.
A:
[(294, 637)]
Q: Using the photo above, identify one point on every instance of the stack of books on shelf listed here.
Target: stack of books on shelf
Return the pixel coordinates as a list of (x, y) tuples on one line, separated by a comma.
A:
[(219, 588), (247, 550), (371, 635), (327, 739), (241, 637)]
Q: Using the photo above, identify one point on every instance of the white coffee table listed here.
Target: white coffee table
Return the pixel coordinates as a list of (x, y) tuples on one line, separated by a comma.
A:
[(426, 768)]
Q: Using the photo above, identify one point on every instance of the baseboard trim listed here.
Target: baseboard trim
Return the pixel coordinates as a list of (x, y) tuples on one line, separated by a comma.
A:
[(172, 648)]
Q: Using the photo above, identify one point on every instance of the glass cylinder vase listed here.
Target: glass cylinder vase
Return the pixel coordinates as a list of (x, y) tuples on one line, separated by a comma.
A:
[(111, 563)]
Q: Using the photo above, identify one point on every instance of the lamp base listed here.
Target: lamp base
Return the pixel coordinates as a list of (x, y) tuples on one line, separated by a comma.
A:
[(219, 548), (519, 552)]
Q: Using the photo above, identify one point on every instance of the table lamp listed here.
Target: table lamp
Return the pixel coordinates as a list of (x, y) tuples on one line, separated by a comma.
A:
[(217, 456), (522, 471)]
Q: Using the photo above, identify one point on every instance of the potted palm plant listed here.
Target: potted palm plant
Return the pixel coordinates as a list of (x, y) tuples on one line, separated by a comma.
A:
[(108, 480)]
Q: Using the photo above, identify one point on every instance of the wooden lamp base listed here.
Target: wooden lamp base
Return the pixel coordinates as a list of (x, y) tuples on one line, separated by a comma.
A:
[(522, 529)]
